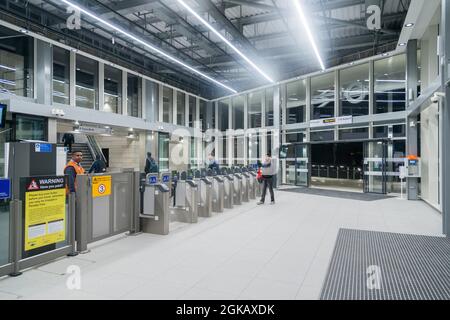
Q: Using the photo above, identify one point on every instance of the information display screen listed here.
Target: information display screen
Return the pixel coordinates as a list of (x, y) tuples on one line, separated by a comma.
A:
[(2, 115)]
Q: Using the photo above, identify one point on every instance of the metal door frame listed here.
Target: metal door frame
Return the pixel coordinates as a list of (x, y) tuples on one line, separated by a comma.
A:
[(383, 165), (308, 155)]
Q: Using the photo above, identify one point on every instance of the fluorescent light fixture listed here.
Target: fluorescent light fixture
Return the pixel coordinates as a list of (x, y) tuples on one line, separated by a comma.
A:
[(402, 44), (217, 33), (146, 44), (7, 68), (408, 25), (308, 32)]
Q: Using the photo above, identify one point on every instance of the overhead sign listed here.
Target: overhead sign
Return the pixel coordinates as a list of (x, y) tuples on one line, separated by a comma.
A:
[(45, 211), (93, 130), (331, 121), (43, 147), (101, 186), (5, 189), (373, 14)]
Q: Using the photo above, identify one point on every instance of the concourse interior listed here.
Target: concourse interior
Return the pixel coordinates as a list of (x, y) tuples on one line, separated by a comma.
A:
[(143, 157)]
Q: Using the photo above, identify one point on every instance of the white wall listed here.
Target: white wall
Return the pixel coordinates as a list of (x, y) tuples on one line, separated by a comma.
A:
[(430, 121), (124, 152)]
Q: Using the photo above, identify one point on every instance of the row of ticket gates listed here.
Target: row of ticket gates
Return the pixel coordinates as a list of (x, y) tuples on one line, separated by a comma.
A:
[(183, 197)]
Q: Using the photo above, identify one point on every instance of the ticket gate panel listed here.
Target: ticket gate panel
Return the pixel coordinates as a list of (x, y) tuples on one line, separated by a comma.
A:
[(245, 187), (205, 197), (218, 194), (228, 192), (252, 186), (154, 217), (237, 190), (186, 202)]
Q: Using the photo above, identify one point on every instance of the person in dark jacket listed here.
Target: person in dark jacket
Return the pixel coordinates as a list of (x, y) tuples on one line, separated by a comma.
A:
[(68, 139), (150, 164), (213, 164), (99, 166)]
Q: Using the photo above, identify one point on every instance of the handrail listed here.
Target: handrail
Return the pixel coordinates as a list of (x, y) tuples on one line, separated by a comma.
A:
[(95, 148)]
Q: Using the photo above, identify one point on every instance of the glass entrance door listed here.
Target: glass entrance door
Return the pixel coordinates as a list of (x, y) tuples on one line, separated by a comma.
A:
[(375, 153), (302, 172)]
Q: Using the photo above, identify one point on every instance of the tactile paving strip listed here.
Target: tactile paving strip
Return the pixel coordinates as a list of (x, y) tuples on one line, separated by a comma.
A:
[(369, 265)]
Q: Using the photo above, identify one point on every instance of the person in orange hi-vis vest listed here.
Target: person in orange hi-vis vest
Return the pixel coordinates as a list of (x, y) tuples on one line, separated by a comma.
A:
[(72, 169)]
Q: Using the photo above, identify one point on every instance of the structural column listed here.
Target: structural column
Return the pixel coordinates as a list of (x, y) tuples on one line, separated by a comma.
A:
[(411, 123), (43, 73), (445, 74)]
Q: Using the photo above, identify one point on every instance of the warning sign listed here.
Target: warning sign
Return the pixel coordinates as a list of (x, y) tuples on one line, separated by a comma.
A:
[(101, 186), (45, 211)]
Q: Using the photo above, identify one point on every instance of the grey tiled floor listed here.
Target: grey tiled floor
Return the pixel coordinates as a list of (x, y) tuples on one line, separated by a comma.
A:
[(250, 252)]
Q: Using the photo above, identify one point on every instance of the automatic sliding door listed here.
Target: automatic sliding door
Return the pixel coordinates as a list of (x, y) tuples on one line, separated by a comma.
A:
[(375, 167), (302, 172)]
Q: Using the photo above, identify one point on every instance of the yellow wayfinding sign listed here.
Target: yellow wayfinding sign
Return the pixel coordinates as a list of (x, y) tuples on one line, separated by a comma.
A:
[(101, 186), (45, 212)]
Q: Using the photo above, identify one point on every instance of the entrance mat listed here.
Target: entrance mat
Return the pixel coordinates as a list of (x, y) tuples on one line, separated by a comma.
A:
[(339, 194), (368, 265)]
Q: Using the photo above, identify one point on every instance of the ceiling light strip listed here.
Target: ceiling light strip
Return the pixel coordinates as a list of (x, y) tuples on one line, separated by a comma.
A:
[(308, 32), (90, 14), (217, 33)]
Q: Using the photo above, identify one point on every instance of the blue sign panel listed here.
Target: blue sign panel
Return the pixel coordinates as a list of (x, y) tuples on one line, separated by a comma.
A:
[(152, 180), (165, 178), (43, 147), (5, 189)]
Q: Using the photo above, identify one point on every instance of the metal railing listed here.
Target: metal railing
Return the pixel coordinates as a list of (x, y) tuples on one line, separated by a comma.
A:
[(95, 148)]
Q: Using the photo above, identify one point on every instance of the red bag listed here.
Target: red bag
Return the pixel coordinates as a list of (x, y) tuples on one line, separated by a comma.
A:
[(259, 176)]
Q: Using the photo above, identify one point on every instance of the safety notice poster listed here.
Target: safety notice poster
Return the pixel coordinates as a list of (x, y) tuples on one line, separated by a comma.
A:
[(45, 211), (101, 186)]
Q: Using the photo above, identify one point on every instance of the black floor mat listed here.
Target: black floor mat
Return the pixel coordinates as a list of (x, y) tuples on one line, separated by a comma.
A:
[(368, 265), (339, 194)]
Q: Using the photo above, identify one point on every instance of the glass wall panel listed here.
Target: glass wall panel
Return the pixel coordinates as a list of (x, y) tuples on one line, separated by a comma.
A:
[(322, 135), (167, 105), (354, 91), (213, 120), (193, 154), (181, 108), (390, 84), (354, 134), (192, 111), (223, 159), (238, 112), (61, 75), (86, 83), (323, 94), (16, 63), (269, 107), (163, 151), (223, 114), (254, 148), (134, 96), (295, 136), (238, 150), (255, 109), (296, 102), (202, 115), (113, 90)]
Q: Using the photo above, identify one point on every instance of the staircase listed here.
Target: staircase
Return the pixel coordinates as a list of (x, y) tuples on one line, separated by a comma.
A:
[(88, 159)]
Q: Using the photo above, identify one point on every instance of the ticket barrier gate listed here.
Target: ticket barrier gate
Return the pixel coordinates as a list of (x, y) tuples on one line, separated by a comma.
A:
[(237, 190), (251, 183), (185, 204), (228, 188), (245, 184), (205, 193), (154, 217), (218, 194)]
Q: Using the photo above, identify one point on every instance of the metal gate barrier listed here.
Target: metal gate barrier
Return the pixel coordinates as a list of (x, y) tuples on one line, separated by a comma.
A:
[(14, 253), (106, 205)]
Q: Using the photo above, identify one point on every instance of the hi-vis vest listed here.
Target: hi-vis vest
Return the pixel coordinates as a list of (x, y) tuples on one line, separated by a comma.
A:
[(78, 169)]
